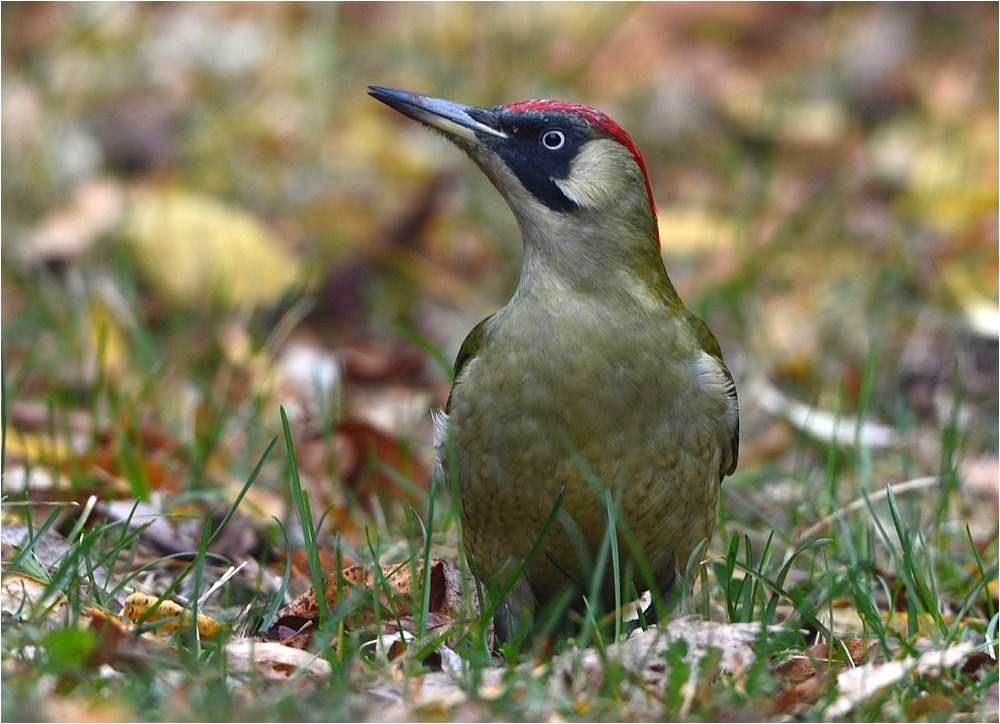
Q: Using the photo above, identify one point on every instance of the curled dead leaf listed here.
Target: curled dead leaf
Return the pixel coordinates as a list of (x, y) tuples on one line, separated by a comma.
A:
[(170, 616), (452, 601), (821, 657)]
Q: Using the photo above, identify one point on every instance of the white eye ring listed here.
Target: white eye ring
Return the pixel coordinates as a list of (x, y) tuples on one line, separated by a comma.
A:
[(553, 139)]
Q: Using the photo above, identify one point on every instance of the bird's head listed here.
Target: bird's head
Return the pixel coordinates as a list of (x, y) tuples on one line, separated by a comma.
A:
[(568, 171)]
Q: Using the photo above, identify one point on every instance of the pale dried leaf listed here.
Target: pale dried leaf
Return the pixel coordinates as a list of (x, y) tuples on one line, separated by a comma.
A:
[(70, 231), (274, 661), (48, 550), (822, 424), (19, 594), (732, 640), (581, 673), (861, 684)]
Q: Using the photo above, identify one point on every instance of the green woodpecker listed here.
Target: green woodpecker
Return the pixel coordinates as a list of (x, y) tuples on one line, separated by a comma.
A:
[(593, 384)]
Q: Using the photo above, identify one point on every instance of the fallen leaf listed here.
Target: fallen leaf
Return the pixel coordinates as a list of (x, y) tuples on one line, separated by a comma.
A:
[(792, 699), (451, 602), (639, 662), (364, 451), (69, 232), (929, 706), (273, 660), (96, 707), (823, 424), (196, 250), (821, 657), (170, 616), (690, 230), (48, 550), (861, 684), (119, 647), (22, 595)]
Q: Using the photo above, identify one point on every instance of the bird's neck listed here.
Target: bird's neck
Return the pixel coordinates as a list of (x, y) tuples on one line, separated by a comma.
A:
[(616, 265)]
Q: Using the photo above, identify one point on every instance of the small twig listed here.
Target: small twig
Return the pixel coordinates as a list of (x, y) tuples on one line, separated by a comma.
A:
[(862, 502)]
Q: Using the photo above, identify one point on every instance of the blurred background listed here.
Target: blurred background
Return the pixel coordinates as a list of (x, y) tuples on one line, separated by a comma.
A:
[(204, 216)]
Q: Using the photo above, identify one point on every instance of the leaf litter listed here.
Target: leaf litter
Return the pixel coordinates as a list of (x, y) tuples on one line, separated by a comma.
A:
[(122, 386)]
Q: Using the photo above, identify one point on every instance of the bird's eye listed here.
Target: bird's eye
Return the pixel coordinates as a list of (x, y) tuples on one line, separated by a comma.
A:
[(553, 139)]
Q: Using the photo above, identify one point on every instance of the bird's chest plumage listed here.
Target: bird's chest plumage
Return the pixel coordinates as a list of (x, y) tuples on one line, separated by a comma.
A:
[(586, 400), (544, 374)]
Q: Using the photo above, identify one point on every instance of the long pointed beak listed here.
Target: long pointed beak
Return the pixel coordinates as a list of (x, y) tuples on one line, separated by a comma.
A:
[(452, 118)]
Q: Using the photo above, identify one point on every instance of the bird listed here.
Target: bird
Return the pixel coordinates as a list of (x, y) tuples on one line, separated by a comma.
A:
[(593, 401)]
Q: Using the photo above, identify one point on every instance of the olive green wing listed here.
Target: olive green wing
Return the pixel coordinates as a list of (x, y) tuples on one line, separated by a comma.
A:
[(466, 353)]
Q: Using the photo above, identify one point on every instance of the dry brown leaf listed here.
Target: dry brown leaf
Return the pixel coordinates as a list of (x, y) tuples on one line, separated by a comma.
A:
[(821, 657), (798, 667), (327, 560), (85, 445), (369, 463), (359, 445), (790, 700), (452, 601), (929, 707), (119, 647)]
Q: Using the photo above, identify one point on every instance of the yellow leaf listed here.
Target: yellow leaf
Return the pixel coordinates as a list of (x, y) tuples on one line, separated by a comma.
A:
[(172, 614), (689, 230), (194, 249), (107, 336), (39, 448)]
